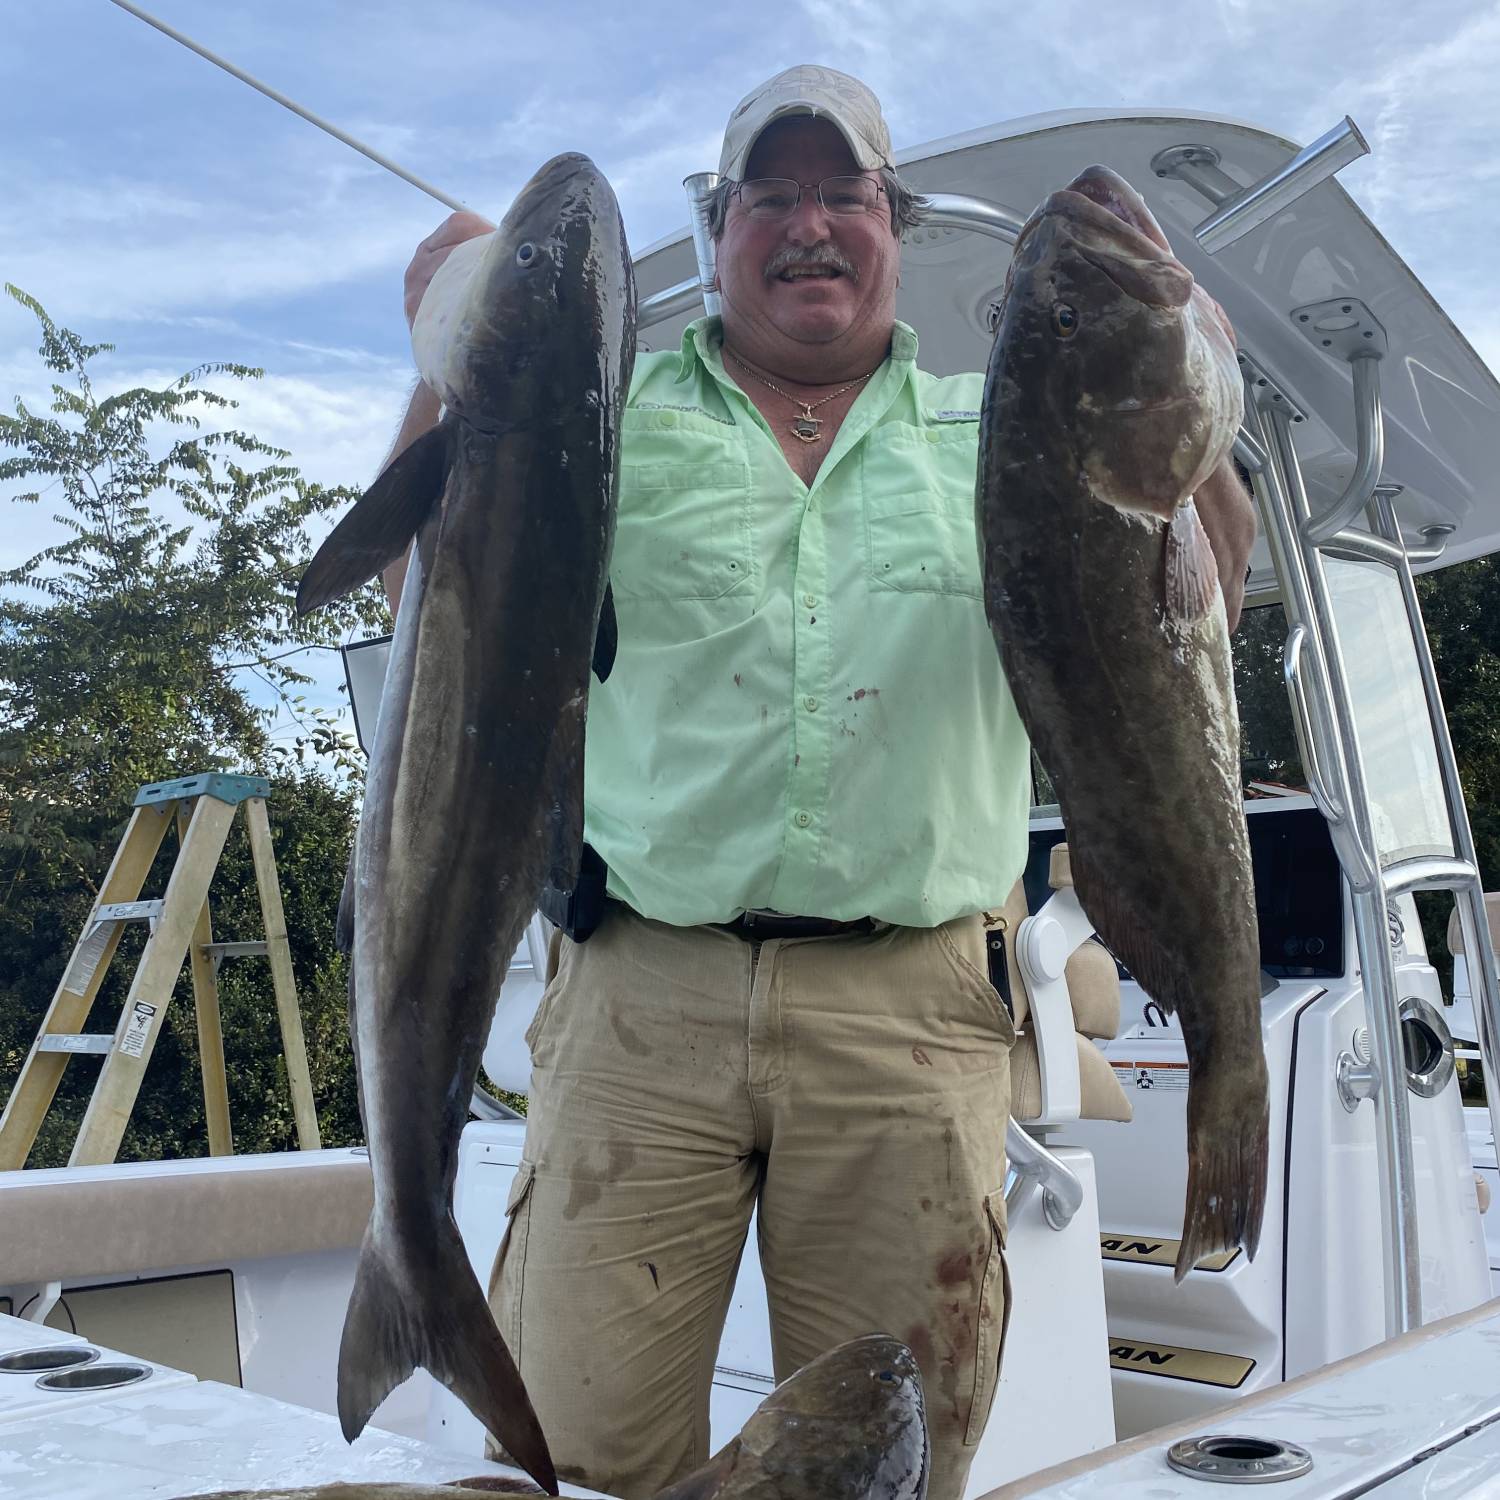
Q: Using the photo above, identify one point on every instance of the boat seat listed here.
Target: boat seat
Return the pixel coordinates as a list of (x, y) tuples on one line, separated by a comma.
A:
[(1456, 931), (1057, 1073), (164, 1216)]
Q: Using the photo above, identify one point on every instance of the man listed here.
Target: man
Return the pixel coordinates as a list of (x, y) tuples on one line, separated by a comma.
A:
[(807, 778)]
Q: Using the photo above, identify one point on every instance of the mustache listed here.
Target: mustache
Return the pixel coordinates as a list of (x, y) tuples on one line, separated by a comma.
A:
[(812, 255)]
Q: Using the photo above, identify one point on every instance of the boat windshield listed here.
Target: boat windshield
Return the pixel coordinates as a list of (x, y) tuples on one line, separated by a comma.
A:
[(1397, 746)]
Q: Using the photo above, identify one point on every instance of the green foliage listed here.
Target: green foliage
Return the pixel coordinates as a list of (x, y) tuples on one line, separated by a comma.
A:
[(126, 654), (1268, 743)]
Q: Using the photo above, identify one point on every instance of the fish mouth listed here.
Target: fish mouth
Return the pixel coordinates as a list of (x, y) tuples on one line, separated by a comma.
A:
[(1102, 220)]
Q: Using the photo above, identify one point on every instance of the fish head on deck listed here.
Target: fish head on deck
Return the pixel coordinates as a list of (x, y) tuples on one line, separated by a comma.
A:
[(1122, 350), (555, 273), (851, 1423)]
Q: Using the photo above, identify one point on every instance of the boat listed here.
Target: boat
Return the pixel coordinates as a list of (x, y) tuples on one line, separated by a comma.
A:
[(1359, 1351)]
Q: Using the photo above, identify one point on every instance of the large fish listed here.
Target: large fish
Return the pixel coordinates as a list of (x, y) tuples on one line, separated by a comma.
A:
[(1113, 392), (849, 1426), (475, 791)]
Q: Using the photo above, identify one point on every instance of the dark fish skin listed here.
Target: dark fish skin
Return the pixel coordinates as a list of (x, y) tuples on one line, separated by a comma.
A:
[(1112, 392), (460, 1489), (475, 791), (849, 1426)]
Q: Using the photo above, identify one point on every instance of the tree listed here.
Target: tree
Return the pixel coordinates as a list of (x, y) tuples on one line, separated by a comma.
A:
[(124, 653)]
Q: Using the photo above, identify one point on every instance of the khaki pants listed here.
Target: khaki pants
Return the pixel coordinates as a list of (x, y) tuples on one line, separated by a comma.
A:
[(855, 1087)]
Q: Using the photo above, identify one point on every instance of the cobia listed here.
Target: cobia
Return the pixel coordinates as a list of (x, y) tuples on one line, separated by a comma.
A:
[(475, 792)]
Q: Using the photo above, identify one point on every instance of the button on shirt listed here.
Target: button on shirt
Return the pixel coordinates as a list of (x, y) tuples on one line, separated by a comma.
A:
[(807, 713)]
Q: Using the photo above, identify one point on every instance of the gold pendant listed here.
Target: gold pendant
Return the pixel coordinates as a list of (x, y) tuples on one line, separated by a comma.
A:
[(806, 426)]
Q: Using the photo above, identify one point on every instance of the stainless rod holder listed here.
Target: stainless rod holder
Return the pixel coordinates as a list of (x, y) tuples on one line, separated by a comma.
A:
[(700, 189), (1369, 440), (1281, 188)]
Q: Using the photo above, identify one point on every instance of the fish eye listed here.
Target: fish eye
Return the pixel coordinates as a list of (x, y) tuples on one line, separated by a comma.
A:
[(526, 254), (1064, 319)]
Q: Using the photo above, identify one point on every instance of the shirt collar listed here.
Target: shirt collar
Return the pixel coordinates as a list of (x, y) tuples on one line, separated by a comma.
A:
[(703, 343)]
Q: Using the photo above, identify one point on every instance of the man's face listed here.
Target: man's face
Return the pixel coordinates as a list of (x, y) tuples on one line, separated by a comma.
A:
[(766, 303)]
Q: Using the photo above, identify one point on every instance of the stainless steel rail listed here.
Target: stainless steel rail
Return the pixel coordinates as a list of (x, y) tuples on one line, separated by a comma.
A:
[(681, 298), (1322, 706), (1369, 443), (1032, 1165), (483, 1105), (959, 211)]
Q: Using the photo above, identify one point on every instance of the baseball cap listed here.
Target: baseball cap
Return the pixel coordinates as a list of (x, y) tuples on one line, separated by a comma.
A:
[(808, 90)]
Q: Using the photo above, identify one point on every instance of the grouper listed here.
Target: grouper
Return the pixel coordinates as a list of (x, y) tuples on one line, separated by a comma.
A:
[(1113, 392), (475, 793), (849, 1426)]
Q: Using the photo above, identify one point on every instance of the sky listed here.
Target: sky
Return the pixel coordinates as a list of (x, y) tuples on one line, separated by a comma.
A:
[(150, 200)]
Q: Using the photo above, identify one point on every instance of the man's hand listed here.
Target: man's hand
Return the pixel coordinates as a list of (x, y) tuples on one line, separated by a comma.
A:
[(434, 250)]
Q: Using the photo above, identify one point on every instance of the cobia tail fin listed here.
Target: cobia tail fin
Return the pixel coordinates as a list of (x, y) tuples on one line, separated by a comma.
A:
[(440, 1321), (381, 524)]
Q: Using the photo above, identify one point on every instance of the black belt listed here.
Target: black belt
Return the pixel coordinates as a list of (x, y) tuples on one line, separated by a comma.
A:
[(761, 927)]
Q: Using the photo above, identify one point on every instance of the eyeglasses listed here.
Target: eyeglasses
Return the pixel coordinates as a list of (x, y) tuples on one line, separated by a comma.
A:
[(778, 197)]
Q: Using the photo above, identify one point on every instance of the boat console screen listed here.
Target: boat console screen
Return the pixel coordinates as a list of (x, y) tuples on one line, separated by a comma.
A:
[(1299, 890)]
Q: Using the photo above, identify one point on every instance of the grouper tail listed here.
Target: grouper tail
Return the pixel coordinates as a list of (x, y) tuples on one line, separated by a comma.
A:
[(437, 1319), (1227, 1130)]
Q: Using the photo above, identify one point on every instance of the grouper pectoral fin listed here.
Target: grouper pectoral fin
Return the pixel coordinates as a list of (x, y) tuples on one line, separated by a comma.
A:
[(381, 524), (607, 639), (1192, 576), (434, 1315)]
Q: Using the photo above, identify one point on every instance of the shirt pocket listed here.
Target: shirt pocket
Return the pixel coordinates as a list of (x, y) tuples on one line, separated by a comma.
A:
[(918, 485), (684, 524)]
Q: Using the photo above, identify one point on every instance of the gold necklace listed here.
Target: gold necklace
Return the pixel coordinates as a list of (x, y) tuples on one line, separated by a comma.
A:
[(806, 426)]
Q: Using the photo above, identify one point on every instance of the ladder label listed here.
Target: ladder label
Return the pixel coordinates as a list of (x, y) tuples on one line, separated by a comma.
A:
[(137, 1029), (86, 959)]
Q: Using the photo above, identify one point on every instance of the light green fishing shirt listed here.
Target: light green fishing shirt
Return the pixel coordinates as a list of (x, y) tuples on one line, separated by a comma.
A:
[(807, 713)]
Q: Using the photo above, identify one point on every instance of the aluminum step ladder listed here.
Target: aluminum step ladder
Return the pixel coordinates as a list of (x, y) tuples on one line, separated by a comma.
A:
[(202, 809)]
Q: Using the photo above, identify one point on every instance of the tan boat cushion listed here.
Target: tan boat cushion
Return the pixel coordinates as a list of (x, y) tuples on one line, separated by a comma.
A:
[(1100, 1096), (1094, 990), (1094, 993), (1455, 927), (65, 1223)]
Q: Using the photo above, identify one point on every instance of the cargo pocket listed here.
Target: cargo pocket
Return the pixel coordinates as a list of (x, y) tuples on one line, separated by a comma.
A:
[(508, 1278), (994, 1319)]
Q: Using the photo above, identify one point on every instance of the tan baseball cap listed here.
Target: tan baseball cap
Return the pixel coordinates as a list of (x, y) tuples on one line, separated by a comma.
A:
[(808, 90)]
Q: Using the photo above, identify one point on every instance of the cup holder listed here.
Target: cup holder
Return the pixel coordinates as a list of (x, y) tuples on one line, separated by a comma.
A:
[(1222, 1458), (94, 1377), (52, 1357)]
